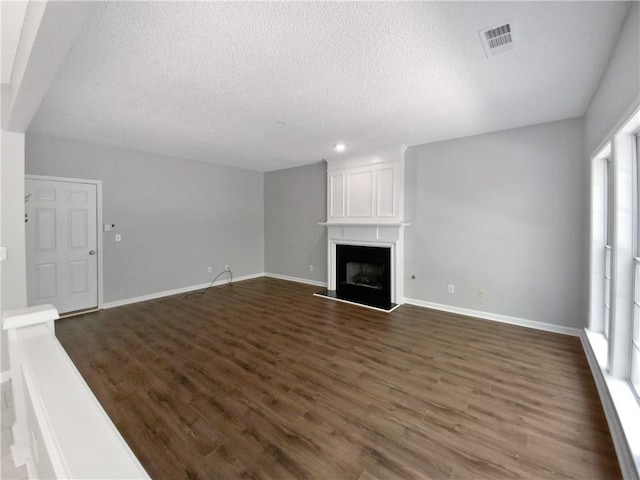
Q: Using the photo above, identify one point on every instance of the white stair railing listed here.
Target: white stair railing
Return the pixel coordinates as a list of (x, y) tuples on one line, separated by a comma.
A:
[(61, 431)]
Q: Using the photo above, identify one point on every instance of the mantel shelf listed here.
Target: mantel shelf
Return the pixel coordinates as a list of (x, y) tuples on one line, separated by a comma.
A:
[(364, 224)]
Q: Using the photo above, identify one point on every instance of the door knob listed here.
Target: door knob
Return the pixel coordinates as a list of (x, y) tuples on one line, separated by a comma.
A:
[(92, 252)]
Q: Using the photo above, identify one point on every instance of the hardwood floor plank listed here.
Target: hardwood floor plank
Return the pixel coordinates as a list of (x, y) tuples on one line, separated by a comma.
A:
[(262, 380)]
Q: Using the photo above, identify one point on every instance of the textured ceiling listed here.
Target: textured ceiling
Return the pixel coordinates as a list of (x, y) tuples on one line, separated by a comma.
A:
[(271, 85)]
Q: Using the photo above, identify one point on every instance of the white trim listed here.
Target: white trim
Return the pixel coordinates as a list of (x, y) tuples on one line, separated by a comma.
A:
[(99, 231), (49, 178), (597, 237), (374, 235), (335, 240), (100, 247), (494, 317), (315, 283), (23, 317), (365, 224), (5, 376), (619, 404), (167, 293)]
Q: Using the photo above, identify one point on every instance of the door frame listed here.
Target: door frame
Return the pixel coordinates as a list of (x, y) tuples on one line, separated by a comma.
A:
[(99, 236)]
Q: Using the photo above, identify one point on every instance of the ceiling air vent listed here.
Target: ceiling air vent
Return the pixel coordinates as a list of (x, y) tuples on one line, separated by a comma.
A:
[(497, 40)]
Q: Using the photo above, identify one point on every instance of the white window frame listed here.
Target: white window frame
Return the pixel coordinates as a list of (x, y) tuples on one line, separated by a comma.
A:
[(634, 375), (607, 186), (611, 359), (600, 254), (634, 360)]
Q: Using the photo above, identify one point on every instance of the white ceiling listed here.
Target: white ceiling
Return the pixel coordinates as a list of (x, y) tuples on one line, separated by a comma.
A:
[(12, 14), (269, 85)]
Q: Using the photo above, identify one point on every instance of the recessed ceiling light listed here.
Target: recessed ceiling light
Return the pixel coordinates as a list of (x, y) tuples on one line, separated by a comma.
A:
[(339, 147)]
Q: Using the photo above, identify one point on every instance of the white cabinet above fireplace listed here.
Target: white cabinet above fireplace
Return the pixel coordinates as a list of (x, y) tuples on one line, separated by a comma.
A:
[(367, 189)]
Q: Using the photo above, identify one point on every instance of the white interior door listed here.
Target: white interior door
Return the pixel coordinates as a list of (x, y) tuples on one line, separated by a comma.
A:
[(61, 235)]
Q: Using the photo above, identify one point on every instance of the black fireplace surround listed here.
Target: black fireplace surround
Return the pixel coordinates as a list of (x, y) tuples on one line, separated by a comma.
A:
[(363, 275)]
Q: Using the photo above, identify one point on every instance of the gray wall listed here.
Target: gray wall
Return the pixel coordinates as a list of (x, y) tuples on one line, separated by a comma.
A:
[(176, 216), (504, 211), (295, 200), (620, 85)]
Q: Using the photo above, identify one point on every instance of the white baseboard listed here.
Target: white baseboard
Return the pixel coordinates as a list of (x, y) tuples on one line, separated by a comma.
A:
[(420, 303), (496, 317), (620, 409), (296, 279), (177, 291), (5, 376)]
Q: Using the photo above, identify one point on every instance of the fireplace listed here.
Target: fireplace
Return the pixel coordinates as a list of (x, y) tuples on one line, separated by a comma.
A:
[(364, 275), (365, 265), (365, 229)]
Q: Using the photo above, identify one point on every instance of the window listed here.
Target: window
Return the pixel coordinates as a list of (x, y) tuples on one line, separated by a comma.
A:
[(615, 251), (613, 336)]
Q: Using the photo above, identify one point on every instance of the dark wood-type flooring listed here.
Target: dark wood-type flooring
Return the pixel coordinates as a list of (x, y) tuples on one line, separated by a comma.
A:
[(260, 379)]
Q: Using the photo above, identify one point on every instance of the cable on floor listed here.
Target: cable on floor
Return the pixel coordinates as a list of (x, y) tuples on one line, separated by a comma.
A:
[(211, 284)]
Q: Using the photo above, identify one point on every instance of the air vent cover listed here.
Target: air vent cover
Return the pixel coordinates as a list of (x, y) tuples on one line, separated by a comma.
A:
[(497, 40)]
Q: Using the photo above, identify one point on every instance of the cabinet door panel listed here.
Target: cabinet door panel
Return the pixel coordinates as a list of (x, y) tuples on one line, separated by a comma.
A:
[(386, 193), (336, 196), (360, 194)]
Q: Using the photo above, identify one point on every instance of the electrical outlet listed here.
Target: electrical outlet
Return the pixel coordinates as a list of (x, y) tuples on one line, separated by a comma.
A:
[(310, 268), (118, 237), (451, 288), (227, 268), (481, 292), (209, 269)]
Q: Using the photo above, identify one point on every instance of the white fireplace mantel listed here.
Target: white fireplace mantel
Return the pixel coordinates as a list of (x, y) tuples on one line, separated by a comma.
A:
[(365, 206), (370, 235)]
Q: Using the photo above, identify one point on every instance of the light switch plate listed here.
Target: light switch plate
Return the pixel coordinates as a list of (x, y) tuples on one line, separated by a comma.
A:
[(3, 253), (118, 237)]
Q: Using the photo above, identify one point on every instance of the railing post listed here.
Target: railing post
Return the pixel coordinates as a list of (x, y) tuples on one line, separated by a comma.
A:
[(11, 321)]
